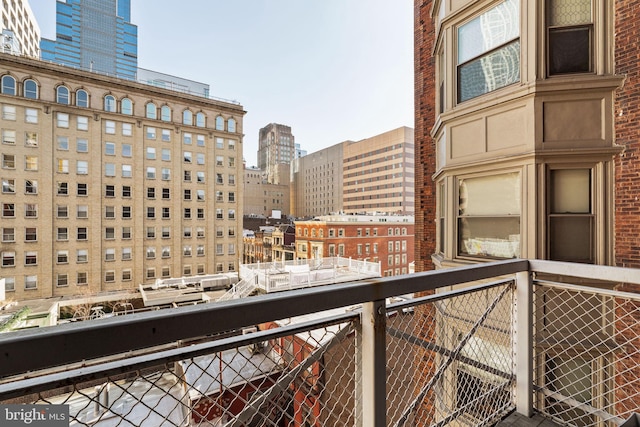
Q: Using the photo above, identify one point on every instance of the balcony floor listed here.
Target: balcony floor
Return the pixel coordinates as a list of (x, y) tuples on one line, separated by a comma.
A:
[(517, 420)]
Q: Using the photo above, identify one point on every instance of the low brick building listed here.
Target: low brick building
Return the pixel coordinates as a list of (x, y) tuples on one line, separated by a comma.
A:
[(387, 239)]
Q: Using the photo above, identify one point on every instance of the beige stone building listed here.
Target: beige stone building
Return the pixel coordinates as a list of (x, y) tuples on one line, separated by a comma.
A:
[(109, 183), (263, 198), (378, 173), (372, 175), (276, 147), (316, 182)]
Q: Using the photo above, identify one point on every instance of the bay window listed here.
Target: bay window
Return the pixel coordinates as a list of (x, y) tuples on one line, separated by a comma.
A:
[(489, 216)]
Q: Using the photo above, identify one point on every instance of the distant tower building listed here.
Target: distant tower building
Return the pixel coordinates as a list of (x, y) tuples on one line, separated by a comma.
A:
[(95, 35), (20, 31), (276, 147)]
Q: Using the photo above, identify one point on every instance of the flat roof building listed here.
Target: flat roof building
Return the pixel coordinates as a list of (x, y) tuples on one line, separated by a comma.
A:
[(372, 175), (108, 183)]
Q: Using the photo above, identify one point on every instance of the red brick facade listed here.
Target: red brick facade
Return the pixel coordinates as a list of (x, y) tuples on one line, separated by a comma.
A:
[(627, 116), (390, 243), (425, 210)]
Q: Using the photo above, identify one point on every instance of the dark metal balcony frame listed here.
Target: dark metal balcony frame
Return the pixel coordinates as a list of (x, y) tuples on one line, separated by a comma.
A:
[(90, 350)]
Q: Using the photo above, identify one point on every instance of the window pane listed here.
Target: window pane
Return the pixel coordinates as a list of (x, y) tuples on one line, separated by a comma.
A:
[(570, 238), (570, 50), (30, 89), (564, 13), (126, 106), (489, 216), (488, 73), (491, 29), (490, 195), (487, 236), (571, 191)]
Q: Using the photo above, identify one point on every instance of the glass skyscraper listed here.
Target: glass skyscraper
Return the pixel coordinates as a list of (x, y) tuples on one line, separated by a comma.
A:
[(94, 35)]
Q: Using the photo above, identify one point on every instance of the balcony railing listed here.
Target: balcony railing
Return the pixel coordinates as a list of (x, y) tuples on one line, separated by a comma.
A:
[(459, 347)]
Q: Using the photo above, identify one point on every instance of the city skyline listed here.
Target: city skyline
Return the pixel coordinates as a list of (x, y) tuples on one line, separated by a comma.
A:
[(333, 71)]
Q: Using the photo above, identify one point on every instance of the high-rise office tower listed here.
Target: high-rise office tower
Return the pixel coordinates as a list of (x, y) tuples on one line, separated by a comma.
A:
[(20, 32), (276, 148), (95, 35)]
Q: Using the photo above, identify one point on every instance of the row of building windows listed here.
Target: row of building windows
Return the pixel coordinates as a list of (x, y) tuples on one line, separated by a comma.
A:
[(62, 233), (82, 277), (80, 98), (82, 168), (360, 165), (398, 166), (9, 258), (378, 151), (9, 136), (9, 210), (63, 120), (31, 188), (359, 232)]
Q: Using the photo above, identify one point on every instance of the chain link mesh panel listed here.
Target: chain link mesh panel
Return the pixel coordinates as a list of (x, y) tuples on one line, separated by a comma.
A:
[(587, 355), (450, 362), (303, 379)]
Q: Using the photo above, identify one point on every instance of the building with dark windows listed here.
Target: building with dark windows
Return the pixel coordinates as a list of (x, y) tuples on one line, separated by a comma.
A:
[(109, 183), (94, 35)]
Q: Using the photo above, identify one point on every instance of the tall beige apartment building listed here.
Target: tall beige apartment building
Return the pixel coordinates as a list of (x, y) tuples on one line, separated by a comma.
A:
[(109, 183), (379, 172), (372, 175)]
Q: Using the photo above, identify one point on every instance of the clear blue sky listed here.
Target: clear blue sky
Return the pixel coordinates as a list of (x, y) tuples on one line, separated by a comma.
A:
[(333, 70)]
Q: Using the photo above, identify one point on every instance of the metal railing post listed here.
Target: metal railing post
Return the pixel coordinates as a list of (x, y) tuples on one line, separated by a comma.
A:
[(523, 343), (373, 365)]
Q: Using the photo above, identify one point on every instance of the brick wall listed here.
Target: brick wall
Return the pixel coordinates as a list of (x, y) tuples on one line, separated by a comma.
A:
[(425, 209), (424, 64), (627, 194), (627, 122)]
